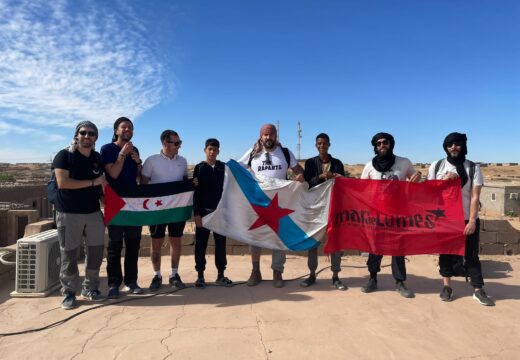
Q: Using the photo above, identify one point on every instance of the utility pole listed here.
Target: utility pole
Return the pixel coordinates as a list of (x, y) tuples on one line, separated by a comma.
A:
[(298, 147)]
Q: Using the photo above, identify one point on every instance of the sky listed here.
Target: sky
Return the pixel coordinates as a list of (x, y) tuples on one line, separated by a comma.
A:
[(416, 69)]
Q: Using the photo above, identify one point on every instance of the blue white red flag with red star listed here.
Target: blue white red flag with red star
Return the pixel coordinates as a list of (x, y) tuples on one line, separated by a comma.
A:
[(270, 213)]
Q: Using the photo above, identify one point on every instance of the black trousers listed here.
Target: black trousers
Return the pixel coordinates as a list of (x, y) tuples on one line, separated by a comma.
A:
[(398, 266), (473, 265), (131, 235), (201, 244)]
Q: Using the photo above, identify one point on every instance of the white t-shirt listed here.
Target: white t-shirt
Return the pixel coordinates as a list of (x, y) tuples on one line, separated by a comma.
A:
[(446, 168), (401, 170), (160, 169), (269, 163)]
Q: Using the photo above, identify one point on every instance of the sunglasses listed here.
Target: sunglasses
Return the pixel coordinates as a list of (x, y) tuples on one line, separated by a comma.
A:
[(451, 143), (85, 133), (176, 143), (382, 142)]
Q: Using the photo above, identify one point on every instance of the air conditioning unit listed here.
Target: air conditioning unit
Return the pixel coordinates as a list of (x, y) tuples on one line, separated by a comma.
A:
[(37, 265)]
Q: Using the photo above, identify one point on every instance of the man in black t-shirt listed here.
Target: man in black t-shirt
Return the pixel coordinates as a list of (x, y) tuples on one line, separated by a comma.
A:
[(79, 174)]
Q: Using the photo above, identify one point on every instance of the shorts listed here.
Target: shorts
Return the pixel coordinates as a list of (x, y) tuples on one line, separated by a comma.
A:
[(174, 230)]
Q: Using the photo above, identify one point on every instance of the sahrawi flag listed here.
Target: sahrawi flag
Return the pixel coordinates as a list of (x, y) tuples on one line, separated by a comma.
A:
[(149, 204), (270, 213), (389, 217)]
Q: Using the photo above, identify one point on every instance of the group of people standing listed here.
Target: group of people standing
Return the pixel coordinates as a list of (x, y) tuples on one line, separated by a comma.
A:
[(80, 172)]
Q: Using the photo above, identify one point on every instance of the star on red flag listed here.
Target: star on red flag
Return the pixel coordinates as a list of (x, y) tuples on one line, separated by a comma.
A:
[(270, 215), (158, 203)]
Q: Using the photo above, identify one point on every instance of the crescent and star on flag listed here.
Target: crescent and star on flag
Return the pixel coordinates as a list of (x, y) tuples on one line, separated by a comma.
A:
[(157, 204)]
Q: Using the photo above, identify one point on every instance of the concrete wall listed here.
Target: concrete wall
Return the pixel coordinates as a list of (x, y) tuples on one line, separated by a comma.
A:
[(13, 219), (489, 206), (33, 195)]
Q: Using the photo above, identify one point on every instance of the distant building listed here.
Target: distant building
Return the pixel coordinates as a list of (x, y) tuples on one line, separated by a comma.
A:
[(500, 199)]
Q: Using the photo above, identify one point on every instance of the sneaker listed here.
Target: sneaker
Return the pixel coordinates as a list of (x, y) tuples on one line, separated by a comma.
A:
[(309, 281), (481, 296), (69, 301), (200, 283), (156, 283), (133, 288), (223, 281), (277, 279), (176, 282), (401, 288), (370, 286), (446, 293), (113, 293), (338, 284), (92, 295), (255, 278)]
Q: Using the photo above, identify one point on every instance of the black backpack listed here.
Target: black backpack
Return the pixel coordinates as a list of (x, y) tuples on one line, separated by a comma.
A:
[(285, 154), (52, 184)]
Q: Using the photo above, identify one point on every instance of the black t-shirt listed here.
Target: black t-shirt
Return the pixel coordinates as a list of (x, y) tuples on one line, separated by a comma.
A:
[(84, 200)]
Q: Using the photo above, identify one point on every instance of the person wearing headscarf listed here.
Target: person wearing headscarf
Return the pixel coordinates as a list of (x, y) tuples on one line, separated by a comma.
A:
[(454, 166), (387, 166)]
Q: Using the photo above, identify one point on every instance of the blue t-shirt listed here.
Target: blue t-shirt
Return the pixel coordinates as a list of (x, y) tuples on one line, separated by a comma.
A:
[(128, 175)]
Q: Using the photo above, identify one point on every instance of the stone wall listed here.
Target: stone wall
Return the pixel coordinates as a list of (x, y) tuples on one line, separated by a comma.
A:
[(498, 237)]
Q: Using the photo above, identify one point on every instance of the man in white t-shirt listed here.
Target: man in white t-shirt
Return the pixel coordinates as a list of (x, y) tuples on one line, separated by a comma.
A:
[(387, 166), (454, 166), (269, 158), (167, 166)]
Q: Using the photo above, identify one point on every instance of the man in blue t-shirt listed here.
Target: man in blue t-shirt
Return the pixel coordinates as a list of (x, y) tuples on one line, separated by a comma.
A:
[(123, 166)]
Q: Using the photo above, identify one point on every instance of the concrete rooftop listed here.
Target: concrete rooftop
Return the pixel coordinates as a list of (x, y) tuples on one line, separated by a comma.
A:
[(267, 323)]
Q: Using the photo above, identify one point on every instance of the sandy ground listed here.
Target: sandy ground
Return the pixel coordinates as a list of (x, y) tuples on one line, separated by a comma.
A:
[(267, 323)]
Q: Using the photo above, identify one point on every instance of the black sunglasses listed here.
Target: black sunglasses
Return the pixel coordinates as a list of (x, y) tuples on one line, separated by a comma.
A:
[(85, 133), (382, 142), (176, 143), (451, 143)]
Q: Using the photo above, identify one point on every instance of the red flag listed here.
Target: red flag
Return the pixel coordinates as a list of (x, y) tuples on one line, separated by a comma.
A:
[(389, 217)]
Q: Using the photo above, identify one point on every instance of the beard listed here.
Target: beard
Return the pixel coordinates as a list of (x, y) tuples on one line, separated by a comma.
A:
[(269, 144)]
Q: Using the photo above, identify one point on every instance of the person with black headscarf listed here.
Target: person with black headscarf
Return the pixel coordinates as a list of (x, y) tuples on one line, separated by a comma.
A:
[(454, 166), (387, 166)]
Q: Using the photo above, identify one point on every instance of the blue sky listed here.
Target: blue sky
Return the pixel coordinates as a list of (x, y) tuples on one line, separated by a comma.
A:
[(416, 69)]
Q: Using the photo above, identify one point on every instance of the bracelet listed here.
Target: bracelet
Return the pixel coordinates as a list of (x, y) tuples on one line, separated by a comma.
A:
[(92, 182), (122, 155)]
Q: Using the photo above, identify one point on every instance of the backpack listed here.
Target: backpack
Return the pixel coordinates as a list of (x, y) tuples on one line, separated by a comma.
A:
[(285, 154), (52, 184), (459, 265), (471, 170)]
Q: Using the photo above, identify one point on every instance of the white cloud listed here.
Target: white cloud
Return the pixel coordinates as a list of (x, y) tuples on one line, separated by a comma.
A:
[(63, 62)]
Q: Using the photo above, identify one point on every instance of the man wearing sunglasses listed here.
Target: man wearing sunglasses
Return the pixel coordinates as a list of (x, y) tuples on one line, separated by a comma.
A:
[(269, 158), (387, 166), (454, 166), (79, 174), (167, 166), (123, 166)]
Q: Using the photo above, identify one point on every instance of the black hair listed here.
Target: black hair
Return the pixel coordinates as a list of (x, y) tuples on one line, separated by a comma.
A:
[(212, 142), (165, 135), (116, 125), (323, 136)]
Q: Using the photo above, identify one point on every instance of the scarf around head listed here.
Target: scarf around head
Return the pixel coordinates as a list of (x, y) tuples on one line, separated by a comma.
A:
[(379, 162), (458, 161)]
